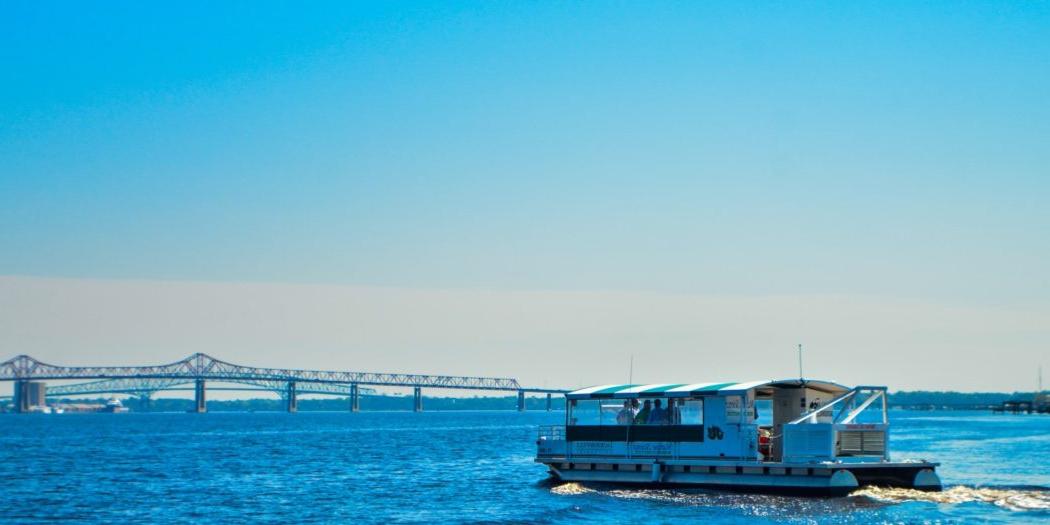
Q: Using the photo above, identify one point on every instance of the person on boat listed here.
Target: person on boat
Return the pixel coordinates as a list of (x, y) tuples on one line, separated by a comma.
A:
[(626, 414), (658, 416), (674, 412), (643, 415)]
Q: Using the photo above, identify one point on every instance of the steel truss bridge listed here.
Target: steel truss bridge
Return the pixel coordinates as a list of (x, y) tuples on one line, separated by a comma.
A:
[(146, 388), (198, 369)]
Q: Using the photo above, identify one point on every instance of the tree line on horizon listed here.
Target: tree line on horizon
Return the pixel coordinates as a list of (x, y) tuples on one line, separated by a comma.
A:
[(904, 399)]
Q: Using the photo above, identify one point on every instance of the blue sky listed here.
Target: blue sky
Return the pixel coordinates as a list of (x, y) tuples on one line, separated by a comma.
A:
[(891, 149)]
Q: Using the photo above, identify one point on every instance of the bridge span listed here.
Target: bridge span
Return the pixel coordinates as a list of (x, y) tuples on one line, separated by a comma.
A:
[(198, 369)]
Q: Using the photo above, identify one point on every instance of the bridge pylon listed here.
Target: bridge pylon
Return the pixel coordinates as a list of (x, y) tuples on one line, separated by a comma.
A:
[(21, 396), (146, 401), (355, 398), (200, 397), (417, 399), (293, 402)]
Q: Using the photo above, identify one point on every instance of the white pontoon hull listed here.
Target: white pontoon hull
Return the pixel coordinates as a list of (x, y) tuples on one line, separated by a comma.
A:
[(820, 479)]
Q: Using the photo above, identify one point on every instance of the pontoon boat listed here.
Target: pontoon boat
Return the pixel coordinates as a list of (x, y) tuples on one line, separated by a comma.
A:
[(795, 436)]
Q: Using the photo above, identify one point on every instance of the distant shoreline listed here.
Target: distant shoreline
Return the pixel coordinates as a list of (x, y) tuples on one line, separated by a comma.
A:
[(907, 400)]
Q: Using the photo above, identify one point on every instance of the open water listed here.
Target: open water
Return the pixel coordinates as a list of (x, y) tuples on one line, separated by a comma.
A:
[(455, 467)]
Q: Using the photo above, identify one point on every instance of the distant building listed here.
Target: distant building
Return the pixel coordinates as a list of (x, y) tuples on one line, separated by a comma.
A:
[(36, 392), (29, 395), (1042, 402)]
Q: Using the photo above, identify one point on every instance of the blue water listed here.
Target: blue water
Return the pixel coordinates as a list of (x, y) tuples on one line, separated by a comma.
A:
[(454, 467)]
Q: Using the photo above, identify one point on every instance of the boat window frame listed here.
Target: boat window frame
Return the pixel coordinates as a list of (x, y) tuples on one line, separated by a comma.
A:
[(685, 402), (697, 402), (572, 404)]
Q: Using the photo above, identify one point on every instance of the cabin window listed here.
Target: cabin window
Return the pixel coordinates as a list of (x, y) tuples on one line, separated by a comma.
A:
[(677, 420), (650, 411), (593, 411), (608, 412), (692, 412)]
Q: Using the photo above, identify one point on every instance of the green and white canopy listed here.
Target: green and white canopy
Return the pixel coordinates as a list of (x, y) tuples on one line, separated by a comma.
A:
[(700, 389)]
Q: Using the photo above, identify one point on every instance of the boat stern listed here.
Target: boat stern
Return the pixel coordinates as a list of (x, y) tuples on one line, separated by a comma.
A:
[(551, 443)]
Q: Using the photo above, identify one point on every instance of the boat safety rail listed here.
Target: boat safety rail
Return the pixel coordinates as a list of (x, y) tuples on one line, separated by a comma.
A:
[(848, 410), (552, 432)]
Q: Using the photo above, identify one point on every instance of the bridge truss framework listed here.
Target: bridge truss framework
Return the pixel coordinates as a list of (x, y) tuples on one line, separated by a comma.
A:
[(199, 368)]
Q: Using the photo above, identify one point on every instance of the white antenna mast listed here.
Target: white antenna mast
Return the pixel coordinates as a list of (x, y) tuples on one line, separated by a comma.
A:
[(630, 372), (800, 376)]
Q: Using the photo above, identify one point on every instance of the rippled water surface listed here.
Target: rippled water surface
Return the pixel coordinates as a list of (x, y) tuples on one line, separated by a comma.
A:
[(456, 467)]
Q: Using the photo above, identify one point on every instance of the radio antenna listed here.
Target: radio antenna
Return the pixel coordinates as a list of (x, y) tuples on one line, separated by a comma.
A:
[(800, 376), (630, 372)]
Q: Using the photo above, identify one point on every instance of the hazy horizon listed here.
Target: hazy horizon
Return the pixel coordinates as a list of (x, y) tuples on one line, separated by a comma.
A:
[(560, 339)]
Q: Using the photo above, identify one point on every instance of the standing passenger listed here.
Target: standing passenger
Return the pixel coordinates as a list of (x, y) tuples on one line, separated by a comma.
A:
[(626, 415), (658, 416), (643, 414), (674, 412)]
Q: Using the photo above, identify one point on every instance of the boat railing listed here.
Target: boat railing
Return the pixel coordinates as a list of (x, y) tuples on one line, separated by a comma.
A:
[(552, 432), (848, 410), (832, 430)]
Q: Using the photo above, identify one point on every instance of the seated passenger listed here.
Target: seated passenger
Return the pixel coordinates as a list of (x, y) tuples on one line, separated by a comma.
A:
[(658, 416), (643, 415), (626, 414)]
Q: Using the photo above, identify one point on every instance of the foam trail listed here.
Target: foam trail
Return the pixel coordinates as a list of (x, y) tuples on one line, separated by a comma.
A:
[(1012, 499), (570, 489)]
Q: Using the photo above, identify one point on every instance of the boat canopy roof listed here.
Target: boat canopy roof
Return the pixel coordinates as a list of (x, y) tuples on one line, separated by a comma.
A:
[(702, 389)]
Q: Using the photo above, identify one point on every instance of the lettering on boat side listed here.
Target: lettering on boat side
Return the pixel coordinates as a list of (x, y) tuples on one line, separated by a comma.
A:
[(651, 449), (591, 447), (733, 412), (715, 433)]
